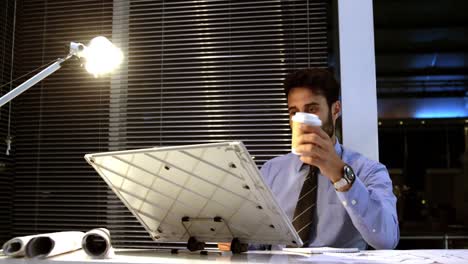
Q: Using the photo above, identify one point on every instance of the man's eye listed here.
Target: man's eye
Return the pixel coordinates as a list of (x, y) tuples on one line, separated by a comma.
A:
[(313, 109), (292, 113)]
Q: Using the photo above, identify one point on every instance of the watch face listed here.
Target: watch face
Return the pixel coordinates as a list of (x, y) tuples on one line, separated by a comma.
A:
[(349, 173)]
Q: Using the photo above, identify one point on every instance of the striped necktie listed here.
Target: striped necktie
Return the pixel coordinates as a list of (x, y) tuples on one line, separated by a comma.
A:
[(303, 213)]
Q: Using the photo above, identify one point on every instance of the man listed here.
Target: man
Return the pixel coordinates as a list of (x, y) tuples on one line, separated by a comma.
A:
[(334, 196)]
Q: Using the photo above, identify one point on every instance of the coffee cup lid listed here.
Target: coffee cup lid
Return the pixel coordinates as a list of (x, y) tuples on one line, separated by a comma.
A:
[(306, 118)]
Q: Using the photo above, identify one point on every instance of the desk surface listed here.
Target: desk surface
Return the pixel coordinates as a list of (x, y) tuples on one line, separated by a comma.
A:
[(156, 257)]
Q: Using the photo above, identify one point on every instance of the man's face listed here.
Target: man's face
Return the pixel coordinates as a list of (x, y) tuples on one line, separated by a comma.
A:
[(301, 99)]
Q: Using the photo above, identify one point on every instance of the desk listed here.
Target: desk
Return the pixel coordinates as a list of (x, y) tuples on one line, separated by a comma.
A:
[(157, 257)]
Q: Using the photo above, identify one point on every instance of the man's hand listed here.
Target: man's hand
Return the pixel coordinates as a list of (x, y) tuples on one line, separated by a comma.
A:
[(316, 148)]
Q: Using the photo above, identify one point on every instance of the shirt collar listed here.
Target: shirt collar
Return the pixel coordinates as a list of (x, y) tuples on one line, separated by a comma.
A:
[(299, 164)]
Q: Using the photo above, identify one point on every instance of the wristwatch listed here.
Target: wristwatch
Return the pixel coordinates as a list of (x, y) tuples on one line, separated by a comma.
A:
[(348, 178)]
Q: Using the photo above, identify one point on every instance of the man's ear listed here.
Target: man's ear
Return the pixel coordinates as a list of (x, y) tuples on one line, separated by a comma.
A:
[(336, 109)]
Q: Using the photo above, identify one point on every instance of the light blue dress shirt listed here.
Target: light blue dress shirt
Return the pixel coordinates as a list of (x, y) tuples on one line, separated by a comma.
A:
[(365, 214)]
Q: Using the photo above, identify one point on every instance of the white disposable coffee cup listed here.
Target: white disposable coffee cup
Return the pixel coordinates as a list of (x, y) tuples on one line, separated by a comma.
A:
[(297, 120)]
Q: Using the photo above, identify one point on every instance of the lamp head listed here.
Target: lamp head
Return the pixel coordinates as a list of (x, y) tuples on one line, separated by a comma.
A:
[(101, 56)]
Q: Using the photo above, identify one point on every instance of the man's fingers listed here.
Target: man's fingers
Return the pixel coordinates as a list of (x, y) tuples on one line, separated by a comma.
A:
[(309, 150), (314, 129), (311, 138), (311, 160)]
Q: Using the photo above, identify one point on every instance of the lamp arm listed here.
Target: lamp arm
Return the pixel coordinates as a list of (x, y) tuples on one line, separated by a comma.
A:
[(33, 80)]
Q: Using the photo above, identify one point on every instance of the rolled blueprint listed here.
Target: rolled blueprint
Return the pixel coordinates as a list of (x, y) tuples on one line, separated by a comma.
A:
[(48, 245), (97, 243), (16, 246)]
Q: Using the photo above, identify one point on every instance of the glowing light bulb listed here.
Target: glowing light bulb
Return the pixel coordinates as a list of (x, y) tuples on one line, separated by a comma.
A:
[(102, 56)]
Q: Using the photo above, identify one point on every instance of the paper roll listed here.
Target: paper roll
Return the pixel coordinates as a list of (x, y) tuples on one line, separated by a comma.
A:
[(97, 243), (48, 245), (16, 246)]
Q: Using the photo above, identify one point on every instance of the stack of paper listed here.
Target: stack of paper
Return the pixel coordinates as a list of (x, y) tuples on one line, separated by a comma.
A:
[(320, 250)]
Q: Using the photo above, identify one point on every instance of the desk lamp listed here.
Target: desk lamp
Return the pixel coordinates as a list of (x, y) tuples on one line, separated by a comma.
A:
[(100, 57)]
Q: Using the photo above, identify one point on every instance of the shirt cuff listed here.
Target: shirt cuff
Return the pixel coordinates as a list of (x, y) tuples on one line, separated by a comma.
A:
[(356, 199)]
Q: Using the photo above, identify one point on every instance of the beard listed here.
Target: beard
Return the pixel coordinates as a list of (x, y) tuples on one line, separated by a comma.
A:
[(328, 125)]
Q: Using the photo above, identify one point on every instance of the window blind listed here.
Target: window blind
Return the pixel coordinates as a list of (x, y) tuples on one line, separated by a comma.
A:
[(195, 72), (59, 120), (7, 18)]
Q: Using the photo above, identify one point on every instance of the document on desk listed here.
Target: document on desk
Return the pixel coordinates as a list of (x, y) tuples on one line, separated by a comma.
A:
[(407, 256), (321, 250)]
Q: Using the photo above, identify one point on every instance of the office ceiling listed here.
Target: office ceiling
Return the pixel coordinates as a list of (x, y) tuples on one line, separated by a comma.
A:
[(421, 48)]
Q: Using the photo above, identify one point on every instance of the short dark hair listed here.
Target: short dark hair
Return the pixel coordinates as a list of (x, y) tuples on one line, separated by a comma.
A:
[(320, 81)]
